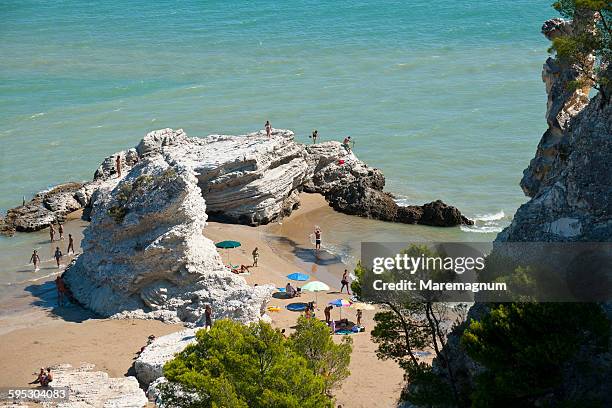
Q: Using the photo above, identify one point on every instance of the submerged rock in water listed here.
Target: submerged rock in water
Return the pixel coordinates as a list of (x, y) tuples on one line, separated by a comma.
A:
[(144, 254)]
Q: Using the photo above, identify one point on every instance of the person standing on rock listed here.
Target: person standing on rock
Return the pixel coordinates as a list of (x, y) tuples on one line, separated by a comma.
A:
[(207, 317), (347, 143), (70, 244), (345, 282), (317, 234), (60, 229), (35, 259), (255, 256), (58, 256), (315, 134), (268, 127), (118, 165), (52, 232)]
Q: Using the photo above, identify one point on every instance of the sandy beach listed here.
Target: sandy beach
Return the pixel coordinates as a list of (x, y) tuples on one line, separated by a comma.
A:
[(40, 334)]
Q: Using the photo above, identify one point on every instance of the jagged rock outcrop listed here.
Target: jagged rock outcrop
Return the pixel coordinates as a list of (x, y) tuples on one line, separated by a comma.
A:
[(144, 255), (253, 179), (150, 363), (564, 102), (87, 388), (47, 207), (569, 178), (359, 198)]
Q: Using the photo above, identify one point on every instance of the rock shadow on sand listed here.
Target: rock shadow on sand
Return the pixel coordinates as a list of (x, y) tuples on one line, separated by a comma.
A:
[(321, 257), (45, 297)]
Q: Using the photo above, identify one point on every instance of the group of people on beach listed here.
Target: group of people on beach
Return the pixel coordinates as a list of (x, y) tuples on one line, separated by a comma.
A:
[(58, 254)]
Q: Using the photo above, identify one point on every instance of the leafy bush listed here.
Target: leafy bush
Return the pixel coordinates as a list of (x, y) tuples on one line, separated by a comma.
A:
[(235, 365)]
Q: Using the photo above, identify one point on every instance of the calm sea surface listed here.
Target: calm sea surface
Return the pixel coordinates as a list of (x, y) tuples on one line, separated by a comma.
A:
[(446, 97)]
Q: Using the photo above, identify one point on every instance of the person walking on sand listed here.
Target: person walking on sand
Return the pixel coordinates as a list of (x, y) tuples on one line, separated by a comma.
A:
[(58, 256), (317, 234), (345, 282), (61, 290), (359, 314), (51, 232), (207, 317), (315, 134), (60, 229), (35, 259), (118, 165), (255, 254), (70, 244), (268, 127)]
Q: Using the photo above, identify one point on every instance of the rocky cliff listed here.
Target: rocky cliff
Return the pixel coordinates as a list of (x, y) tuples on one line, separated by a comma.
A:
[(144, 254)]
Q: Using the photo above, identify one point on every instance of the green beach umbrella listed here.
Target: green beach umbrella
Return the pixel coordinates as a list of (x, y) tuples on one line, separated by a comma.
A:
[(315, 286), (228, 245)]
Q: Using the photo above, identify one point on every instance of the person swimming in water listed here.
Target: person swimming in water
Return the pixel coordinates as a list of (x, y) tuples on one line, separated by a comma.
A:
[(35, 259), (268, 127)]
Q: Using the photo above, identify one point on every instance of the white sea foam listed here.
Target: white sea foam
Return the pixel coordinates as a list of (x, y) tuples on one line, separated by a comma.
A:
[(490, 217), (36, 115), (484, 229)]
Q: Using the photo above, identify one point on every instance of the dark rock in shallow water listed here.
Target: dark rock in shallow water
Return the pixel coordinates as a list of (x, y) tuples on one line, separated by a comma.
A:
[(358, 198)]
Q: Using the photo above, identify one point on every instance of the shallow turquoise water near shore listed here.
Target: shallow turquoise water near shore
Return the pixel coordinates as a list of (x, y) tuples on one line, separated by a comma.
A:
[(445, 97)]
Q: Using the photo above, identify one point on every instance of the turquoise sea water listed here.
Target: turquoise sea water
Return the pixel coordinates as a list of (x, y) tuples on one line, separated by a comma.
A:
[(446, 97)]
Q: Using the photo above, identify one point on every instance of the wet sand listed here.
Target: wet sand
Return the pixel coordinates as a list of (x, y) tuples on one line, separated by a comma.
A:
[(38, 333)]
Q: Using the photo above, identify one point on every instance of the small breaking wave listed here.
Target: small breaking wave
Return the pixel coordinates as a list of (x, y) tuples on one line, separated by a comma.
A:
[(490, 217), (36, 115), (487, 223)]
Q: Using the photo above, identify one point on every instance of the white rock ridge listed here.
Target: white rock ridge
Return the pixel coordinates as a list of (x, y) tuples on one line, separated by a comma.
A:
[(94, 389), (144, 254)]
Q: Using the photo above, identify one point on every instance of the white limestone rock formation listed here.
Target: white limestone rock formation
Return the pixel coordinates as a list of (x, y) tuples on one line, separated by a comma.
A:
[(144, 254), (94, 389), (150, 363)]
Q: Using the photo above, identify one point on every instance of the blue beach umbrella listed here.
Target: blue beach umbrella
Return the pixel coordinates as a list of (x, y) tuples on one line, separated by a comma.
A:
[(297, 276)]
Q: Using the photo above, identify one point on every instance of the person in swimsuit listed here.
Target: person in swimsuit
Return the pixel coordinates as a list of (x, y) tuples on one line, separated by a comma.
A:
[(347, 143), (268, 127), (70, 244), (58, 256), (60, 229), (51, 232), (61, 290), (255, 254), (359, 314), (327, 312), (207, 317), (48, 378), (315, 134), (118, 165), (35, 259), (317, 238), (345, 282)]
